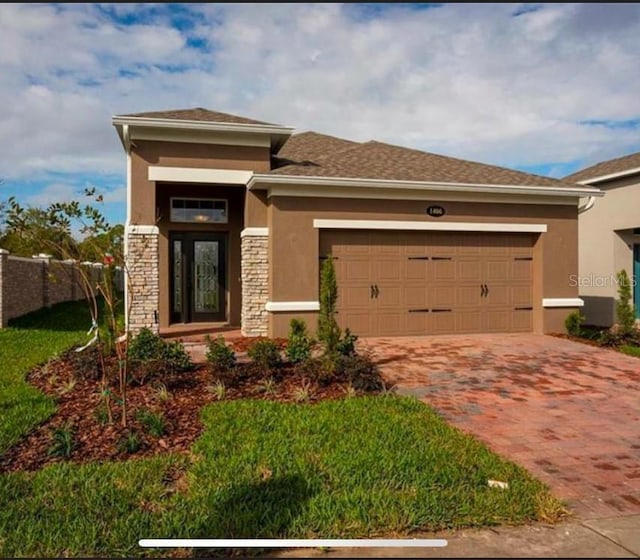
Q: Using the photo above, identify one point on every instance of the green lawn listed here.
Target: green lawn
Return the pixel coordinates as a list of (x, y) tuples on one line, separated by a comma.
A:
[(378, 465), (29, 341), (631, 350)]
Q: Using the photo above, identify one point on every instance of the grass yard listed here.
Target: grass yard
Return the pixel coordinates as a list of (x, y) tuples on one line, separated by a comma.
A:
[(28, 341), (364, 466), (631, 350)]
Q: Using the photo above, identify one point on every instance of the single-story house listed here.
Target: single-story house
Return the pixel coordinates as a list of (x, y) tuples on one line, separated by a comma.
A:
[(609, 236), (229, 220)]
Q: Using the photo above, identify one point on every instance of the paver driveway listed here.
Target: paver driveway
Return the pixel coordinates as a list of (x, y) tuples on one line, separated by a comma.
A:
[(568, 412)]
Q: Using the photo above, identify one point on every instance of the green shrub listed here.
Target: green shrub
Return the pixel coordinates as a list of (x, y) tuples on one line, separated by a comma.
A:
[(63, 441), (328, 330), (85, 364), (347, 344), (175, 358), (357, 370), (265, 354), (624, 307), (153, 422), (130, 442), (573, 323), (299, 342), (146, 346), (219, 355), (151, 357)]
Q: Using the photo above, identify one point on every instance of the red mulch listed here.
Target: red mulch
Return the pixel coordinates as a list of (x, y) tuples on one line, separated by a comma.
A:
[(242, 343), (579, 339), (94, 441)]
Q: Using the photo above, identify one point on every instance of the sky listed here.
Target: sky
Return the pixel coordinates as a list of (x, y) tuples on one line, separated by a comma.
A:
[(545, 88)]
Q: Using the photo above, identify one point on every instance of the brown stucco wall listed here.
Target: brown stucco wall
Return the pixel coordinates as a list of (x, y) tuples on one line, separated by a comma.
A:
[(255, 210), (235, 196), (294, 244), (179, 154)]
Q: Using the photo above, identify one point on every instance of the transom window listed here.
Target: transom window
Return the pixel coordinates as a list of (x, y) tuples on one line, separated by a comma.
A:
[(199, 210)]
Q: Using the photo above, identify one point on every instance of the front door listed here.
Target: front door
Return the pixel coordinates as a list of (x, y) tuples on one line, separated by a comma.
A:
[(198, 277), (636, 278)]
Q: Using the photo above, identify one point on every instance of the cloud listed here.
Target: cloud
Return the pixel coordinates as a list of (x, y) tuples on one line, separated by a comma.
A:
[(517, 85), (55, 192)]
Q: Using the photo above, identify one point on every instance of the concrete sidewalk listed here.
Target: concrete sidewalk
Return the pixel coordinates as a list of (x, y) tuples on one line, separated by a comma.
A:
[(617, 537)]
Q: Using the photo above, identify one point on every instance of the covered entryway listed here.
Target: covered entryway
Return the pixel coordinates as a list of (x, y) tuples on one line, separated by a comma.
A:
[(426, 282)]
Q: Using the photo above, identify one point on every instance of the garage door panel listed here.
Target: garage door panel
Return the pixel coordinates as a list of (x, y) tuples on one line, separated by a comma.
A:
[(416, 270), (522, 321), (497, 320), (498, 295), (431, 282), (443, 296), (354, 297), (496, 270), (468, 270), (443, 322), (415, 296), (355, 270), (468, 321), (521, 295), (521, 270), (468, 296)]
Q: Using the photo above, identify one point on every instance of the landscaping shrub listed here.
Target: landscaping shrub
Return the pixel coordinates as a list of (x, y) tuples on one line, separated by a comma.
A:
[(130, 442), (151, 357), (358, 370), (153, 422), (347, 344), (265, 354), (85, 364), (219, 355), (63, 444), (573, 323), (146, 346), (298, 342), (328, 330), (624, 307)]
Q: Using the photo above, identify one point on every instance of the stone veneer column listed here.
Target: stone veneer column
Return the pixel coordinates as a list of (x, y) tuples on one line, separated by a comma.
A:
[(255, 281), (143, 282)]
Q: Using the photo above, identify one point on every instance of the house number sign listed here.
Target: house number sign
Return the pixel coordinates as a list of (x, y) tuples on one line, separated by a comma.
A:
[(436, 211)]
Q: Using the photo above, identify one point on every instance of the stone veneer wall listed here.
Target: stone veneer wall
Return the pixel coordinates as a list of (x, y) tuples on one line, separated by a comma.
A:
[(144, 279), (255, 284)]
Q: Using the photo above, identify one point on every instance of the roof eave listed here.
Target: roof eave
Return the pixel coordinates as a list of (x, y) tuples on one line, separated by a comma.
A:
[(610, 176), (277, 133), (266, 179)]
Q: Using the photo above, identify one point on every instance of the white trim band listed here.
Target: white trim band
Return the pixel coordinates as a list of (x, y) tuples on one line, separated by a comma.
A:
[(275, 306), (198, 175), (269, 180), (429, 226), (143, 230), (255, 232), (562, 302), (291, 543)]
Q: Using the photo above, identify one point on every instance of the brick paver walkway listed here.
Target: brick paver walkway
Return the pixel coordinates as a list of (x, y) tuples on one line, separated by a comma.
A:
[(568, 412)]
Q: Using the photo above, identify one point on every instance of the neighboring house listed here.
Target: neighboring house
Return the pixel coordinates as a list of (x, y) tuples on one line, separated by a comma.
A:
[(228, 220), (609, 235)]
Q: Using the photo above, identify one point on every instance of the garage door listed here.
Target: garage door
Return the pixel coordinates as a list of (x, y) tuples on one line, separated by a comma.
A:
[(404, 283)]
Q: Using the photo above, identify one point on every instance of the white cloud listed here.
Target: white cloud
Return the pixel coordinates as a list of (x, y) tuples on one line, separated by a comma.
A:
[(55, 192), (463, 79)]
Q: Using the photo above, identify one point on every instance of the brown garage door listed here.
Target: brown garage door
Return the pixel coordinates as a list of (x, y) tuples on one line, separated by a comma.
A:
[(403, 283)]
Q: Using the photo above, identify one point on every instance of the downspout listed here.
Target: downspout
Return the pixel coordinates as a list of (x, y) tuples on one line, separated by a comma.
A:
[(588, 205)]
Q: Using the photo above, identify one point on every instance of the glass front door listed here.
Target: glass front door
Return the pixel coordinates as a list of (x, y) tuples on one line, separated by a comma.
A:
[(198, 277)]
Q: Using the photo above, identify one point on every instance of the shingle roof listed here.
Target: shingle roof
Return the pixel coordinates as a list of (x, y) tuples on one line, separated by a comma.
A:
[(608, 167), (196, 114), (310, 146), (377, 160)]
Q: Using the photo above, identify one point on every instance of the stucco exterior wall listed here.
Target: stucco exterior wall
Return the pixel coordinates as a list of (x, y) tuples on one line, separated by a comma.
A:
[(606, 247), (294, 246)]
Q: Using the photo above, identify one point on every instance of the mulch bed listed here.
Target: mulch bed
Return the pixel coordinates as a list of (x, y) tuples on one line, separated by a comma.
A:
[(581, 340), (93, 441)]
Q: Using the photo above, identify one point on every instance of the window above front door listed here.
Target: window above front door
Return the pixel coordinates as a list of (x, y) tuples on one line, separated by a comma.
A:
[(199, 210)]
